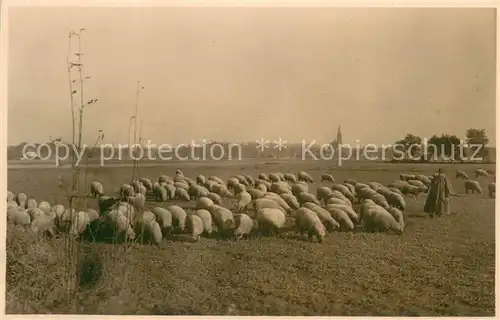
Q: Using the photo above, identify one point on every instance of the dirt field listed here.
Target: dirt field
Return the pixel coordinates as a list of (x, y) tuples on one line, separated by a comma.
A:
[(443, 266)]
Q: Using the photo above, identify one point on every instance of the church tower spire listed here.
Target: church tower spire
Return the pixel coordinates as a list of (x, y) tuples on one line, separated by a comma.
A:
[(339, 136)]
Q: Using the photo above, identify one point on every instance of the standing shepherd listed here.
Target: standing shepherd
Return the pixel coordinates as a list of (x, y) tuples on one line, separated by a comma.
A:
[(438, 198)]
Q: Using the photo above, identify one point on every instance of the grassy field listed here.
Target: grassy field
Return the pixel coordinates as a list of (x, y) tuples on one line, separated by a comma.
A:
[(443, 266)]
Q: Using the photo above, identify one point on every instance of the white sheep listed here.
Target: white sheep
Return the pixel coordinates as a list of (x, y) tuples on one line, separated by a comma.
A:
[(96, 189), (120, 224), (461, 175), (263, 203), (274, 177), (341, 217), (164, 178), (481, 173), (335, 200), (164, 219), (18, 216), (263, 176), (79, 223), (10, 196), (182, 194), (270, 220), (170, 191), (146, 183), (206, 217), (201, 180), (279, 200), (280, 187), (222, 191), (223, 218), (241, 179), (340, 195), (216, 179), (203, 203), (380, 200), (419, 184), (307, 197), (304, 176), (290, 177), (344, 190), (291, 200), (215, 198), (397, 215), (194, 226), (181, 185), (256, 193), (323, 193), (473, 185), (251, 181), (327, 177), (244, 226), (197, 191), (160, 193), (42, 225), (178, 217), (126, 191), (244, 199), (353, 216), (308, 221), (375, 218), (324, 215), (261, 187)]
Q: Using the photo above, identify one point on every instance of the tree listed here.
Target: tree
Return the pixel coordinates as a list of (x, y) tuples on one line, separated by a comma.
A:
[(445, 146), (411, 145), (477, 140)]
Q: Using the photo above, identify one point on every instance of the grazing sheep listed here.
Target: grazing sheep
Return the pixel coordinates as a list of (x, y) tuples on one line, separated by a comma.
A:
[(270, 220), (164, 178), (244, 198), (375, 218), (308, 221), (280, 187), (423, 178), (352, 182), (396, 190), (353, 216), (291, 200), (203, 203), (222, 191), (303, 176), (374, 185), (242, 180), (405, 176), (244, 226), (327, 177), (341, 217), (79, 223), (380, 200), (239, 188), (256, 193), (481, 173), (345, 191), (189, 181), (216, 179), (126, 191), (119, 224), (365, 193), (201, 180), (413, 190), (491, 190), (35, 212), (21, 199), (307, 197), (182, 194), (170, 191), (223, 218), (250, 180), (299, 188), (274, 177), (146, 183), (196, 191), (215, 198), (96, 189), (417, 183), (43, 225), (290, 177), (57, 211), (461, 175), (279, 200), (262, 187), (12, 204), (10, 196), (178, 217), (259, 183), (181, 185), (335, 200), (160, 193), (341, 196), (194, 226), (323, 193), (351, 188), (164, 219), (473, 185), (266, 203), (324, 215), (398, 216), (206, 217), (396, 200), (263, 176)]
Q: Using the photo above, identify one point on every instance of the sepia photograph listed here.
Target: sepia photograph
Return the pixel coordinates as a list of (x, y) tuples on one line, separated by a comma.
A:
[(249, 160)]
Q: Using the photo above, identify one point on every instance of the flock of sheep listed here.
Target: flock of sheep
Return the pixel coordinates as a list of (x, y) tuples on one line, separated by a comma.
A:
[(263, 205)]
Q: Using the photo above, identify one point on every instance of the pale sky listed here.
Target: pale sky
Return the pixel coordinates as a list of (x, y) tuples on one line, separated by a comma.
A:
[(241, 74)]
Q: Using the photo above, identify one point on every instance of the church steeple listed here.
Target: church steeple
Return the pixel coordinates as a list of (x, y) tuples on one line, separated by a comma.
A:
[(339, 137)]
